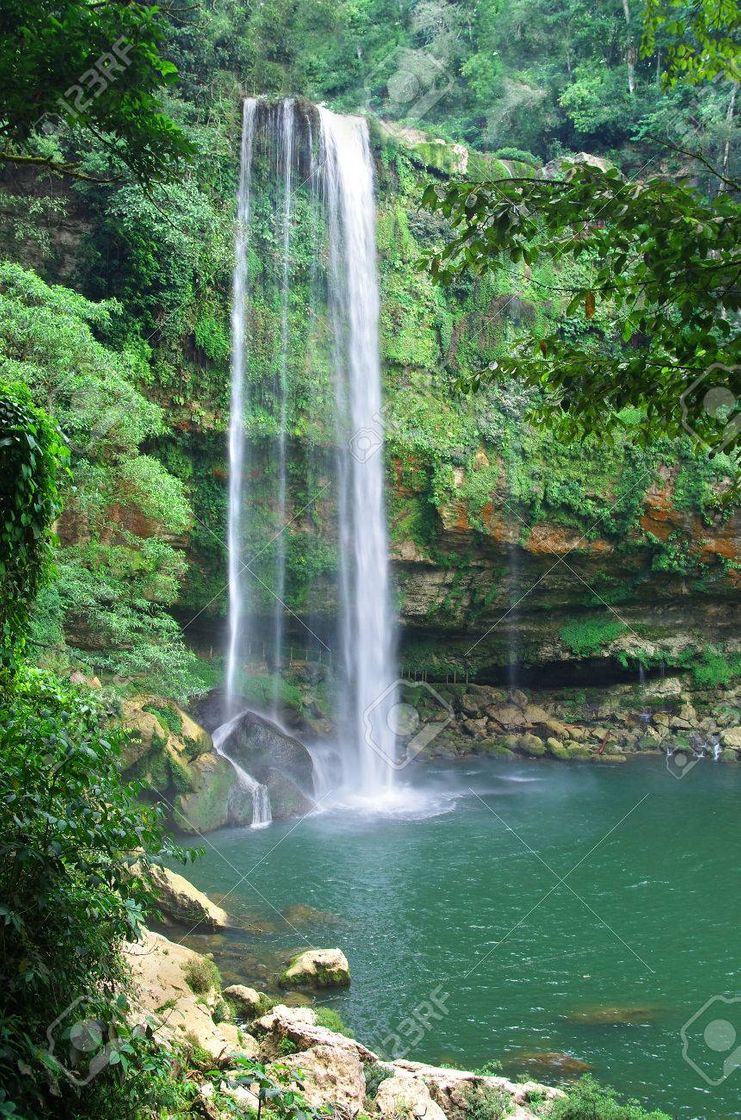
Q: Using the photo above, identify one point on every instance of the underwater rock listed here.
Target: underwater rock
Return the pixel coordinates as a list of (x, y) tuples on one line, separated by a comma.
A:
[(550, 1062), (616, 1015)]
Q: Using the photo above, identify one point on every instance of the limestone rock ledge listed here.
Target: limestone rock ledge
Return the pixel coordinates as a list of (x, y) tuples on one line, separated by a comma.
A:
[(174, 986)]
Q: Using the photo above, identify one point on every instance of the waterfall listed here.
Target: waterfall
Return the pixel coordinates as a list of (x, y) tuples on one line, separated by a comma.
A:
[(237, 411), (367, 631), (261, 814), (284, 168), (335, 346)]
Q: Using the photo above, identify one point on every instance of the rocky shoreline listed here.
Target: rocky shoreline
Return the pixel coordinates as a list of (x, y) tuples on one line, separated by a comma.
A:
[(177, 994)]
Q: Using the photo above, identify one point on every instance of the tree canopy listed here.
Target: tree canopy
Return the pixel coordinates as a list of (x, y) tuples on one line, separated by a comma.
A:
[(72, 71)]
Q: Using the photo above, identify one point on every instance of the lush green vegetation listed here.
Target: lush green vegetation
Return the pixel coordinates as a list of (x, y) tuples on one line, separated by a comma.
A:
[(588, 1100), (74, 71), (69, 829)]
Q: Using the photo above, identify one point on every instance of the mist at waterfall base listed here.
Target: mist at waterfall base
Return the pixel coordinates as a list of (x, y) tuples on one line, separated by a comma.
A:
[(457, 899), (332, 153)]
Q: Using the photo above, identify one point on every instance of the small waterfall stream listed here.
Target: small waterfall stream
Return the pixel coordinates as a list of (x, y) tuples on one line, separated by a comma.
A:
[(261, 813), (279, 143), (237, 443)]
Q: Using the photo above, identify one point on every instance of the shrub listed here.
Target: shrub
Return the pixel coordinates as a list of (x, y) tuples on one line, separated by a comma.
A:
[(519, 155), (585, 637), (33, 458), (202, 975), (483, 1102), (375, 1073), (332, 1020), (587, 1100), (714, 670)]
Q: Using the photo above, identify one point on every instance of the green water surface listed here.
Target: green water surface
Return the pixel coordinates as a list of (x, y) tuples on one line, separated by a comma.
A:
[(549, 909)]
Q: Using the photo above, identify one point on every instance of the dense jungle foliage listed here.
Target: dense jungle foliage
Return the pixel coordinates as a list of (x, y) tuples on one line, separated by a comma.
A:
[(116, 213)]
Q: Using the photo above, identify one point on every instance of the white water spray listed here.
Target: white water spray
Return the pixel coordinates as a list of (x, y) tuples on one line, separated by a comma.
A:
[(284, 167), (261, 814)]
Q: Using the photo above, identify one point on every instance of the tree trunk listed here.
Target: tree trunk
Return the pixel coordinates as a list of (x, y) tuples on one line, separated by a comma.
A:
[(630, 54), (729, 125)]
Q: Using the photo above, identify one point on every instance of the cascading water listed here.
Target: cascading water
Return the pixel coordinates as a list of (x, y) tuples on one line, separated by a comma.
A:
[(284, 167), (337, 342), (261, 814), (367, 629), (237, 410)]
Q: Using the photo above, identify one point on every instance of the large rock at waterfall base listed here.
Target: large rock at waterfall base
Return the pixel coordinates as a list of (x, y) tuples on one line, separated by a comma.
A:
[(317, 968), (215, 798), (181, 902), (277, 760)]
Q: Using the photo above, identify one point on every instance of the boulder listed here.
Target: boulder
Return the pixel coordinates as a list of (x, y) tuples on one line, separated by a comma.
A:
[(216, 797), (408, 1096), (556, 749), (248, 1002), (471, 705), (181, 902), (474, 728), (277, 760), (531, 744), (508, 716), (729, 755), (299, 1025), (330, 1076), (730, 737), (552, 727), (534, 714), (317, 968), (451, 1090)]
